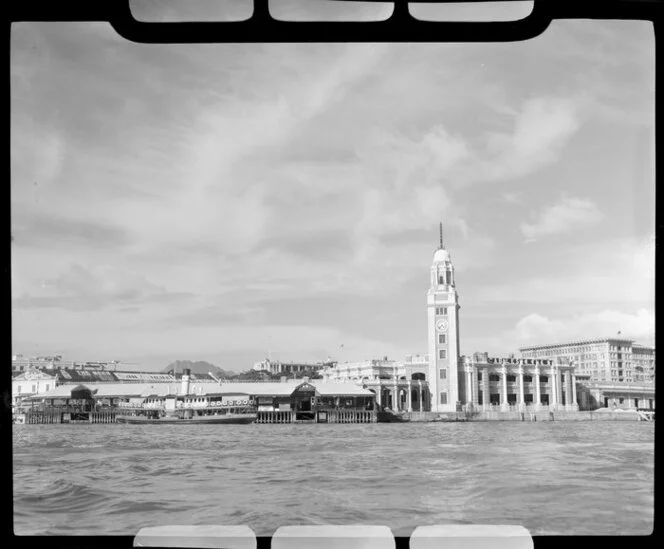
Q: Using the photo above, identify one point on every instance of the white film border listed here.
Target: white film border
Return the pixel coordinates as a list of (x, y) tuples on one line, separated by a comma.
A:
[(326, 536), (204, 536)]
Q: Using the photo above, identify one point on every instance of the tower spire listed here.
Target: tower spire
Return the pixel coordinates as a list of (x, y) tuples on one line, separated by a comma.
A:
[(441, 247)]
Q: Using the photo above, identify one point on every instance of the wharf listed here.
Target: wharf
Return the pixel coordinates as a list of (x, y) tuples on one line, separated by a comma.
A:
[(561, 415), (319, 416)]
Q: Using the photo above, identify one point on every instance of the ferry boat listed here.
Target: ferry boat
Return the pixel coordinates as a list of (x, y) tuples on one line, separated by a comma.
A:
[(189, 409)]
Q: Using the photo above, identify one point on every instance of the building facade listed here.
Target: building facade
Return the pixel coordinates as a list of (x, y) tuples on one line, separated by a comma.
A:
[(443, 332), (287, 368), (21, 363), (398, 386), (32, 382), (505, 384), (621, 396), (603, 360)]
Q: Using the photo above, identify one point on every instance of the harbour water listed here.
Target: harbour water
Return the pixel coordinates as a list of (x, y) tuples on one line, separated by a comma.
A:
[(579, 478)]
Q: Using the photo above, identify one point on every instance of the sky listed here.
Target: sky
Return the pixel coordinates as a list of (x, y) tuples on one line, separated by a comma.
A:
[(230, 203)]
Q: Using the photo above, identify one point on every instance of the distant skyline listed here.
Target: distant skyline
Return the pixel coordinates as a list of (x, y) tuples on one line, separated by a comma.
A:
[(229, 202)]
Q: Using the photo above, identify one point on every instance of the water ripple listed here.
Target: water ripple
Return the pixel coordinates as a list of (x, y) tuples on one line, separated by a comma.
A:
[(554, 478)]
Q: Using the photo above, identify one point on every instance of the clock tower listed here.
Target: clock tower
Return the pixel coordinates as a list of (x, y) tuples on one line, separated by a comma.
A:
[(443, 311)]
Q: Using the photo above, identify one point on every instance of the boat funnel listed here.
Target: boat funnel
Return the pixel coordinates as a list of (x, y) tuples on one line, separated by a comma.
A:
[(185, 381)]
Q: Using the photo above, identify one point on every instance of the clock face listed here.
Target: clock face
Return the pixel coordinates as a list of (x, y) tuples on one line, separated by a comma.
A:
[(442, 325)]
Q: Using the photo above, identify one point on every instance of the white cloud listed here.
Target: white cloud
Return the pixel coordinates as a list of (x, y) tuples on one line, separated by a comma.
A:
[(568, 215), (535, 329), (621, 269), (541, 129)]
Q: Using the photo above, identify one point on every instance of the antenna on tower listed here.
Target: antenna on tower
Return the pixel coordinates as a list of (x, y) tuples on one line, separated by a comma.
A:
[(441, 235)]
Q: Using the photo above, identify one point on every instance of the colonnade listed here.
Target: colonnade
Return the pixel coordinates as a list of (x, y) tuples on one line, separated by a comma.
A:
[(401, 395), (561, 381)]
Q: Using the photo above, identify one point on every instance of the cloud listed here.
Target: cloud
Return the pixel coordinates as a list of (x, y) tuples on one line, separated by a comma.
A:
[(512, 197), (536, 329), (541, 129), (53, 231), (89, 288), (570, 214), (585, 273)]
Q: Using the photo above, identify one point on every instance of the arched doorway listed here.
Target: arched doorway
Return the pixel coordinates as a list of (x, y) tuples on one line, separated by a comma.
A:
[(303, 401), (419, 376)]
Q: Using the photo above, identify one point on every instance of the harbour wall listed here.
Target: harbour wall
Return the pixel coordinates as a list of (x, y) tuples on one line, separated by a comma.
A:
[(562, 415)]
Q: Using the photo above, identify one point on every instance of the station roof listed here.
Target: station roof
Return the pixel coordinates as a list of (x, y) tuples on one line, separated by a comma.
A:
[(88, 376), (323, 388)]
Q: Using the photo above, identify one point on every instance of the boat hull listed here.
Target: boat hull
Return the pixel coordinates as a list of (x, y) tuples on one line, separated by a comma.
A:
[(391, 417), (196, 420)]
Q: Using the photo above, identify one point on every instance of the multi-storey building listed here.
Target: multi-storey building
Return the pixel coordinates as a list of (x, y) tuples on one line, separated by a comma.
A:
[(512, 383), (643, 363), (23, 364), (287, 368), (608, 359)]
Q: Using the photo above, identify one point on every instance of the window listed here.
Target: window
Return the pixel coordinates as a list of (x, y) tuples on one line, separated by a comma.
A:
[(443, 373), (511, 378), (479, 376), (18, 389), (544, 379), (440, 280), (442, 338), (494, 377), (442, 353), (527, 379), (441, 311), (34, 388), (443, 398)]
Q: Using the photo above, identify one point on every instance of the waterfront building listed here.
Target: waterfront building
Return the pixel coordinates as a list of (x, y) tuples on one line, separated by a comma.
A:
[(292, 368), (285, 401), (416, 366), (443, 332), (364, 370), (399, 386), (32, 382), (620, 395), (487, 383), (37, 381), (643, 363), (612, 359), (23, 364)]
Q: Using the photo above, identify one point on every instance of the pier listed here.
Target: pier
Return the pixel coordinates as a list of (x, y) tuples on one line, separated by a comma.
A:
[(320, 416), (46, 417)]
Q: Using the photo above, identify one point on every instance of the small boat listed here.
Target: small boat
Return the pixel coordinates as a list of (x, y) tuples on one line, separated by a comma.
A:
[(388, 416)]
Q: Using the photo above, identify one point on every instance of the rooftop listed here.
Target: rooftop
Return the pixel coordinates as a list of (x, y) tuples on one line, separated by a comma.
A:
[(323, 388), (579, 342)]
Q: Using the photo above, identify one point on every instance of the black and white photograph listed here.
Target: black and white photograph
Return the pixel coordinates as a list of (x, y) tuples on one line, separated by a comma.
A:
[(321, 283)]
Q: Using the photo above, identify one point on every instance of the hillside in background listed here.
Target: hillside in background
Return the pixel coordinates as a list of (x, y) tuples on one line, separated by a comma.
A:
[(198, 367)]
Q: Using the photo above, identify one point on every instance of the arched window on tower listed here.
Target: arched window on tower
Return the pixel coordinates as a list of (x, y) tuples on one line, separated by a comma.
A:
[(441, 280)]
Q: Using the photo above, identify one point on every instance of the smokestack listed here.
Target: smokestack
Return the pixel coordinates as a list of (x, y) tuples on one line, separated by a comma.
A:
[(185, 381)]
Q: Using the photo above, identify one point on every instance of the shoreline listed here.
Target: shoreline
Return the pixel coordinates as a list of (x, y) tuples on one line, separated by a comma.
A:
[(563, 415)]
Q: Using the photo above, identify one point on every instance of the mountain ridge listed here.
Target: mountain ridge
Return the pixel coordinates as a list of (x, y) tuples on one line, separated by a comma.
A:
[(198, 367)]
